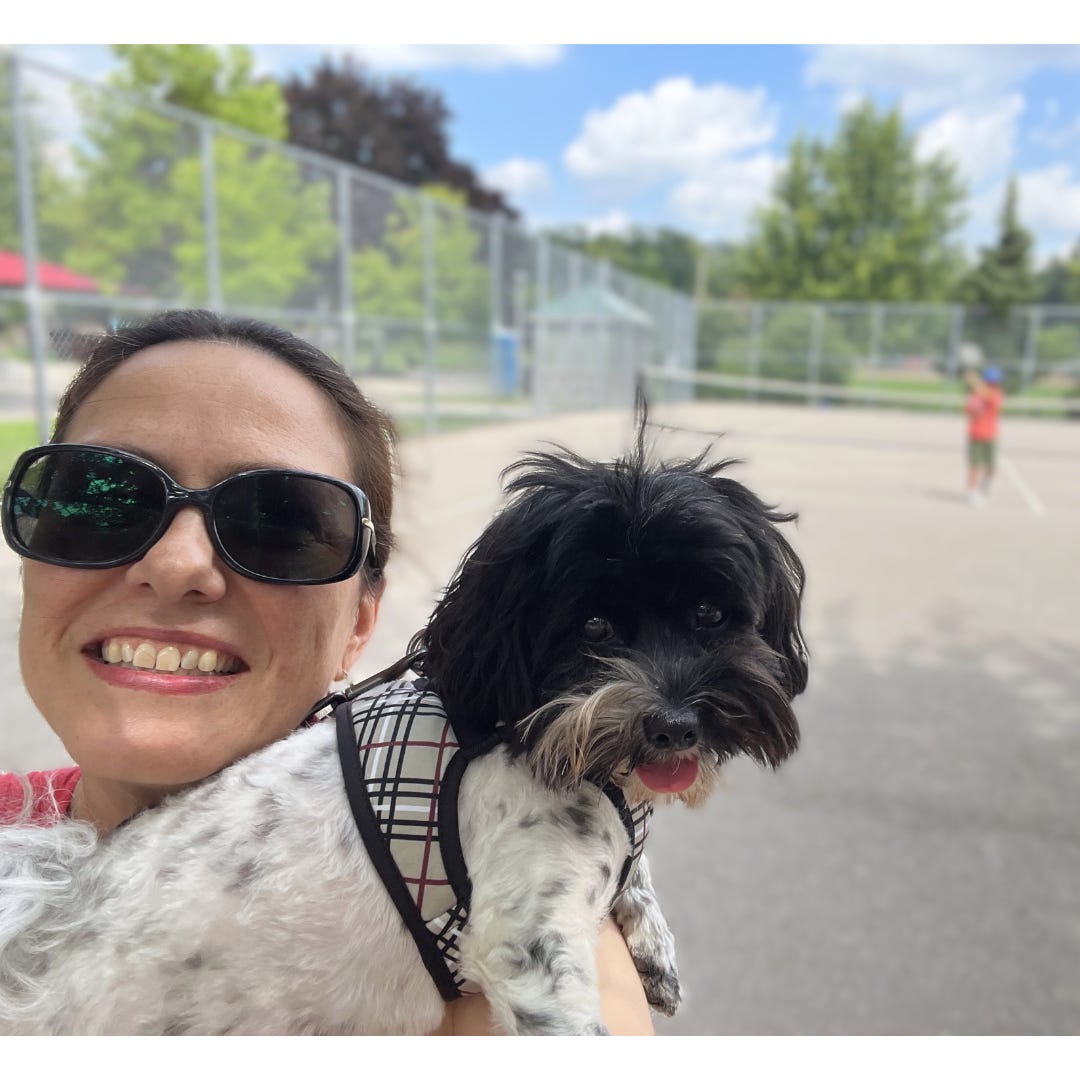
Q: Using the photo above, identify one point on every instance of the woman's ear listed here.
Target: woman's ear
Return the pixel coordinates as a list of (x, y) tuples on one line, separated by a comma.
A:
[(367, 616)]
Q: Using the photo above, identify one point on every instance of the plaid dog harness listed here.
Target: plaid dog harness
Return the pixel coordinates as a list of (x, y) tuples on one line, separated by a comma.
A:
[(402, 765)]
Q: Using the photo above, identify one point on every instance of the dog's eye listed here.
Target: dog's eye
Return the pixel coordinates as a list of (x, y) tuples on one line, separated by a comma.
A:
[(708, 617), (597, 630)]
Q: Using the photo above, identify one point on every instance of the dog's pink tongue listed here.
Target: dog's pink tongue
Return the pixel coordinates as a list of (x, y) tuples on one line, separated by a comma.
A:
[(677, 776)]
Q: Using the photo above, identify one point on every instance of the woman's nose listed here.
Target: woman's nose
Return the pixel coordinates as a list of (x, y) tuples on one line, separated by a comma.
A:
[(183, 562)]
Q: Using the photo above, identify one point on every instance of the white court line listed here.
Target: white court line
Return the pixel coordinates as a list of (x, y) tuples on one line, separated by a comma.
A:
[(1035, 504)]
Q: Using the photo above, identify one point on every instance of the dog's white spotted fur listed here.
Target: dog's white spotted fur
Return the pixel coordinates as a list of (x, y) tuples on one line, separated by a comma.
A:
[(248, 905)]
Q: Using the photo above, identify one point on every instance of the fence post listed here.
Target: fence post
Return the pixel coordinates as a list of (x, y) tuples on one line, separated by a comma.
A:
[(602, 381), (495, 272), (345, 294), (877, 320), (956, 335), (431, 329), (29, 240), (1031, 348), (757, 322), (540, 330), (495, 269), (813, 373), (210, 218)]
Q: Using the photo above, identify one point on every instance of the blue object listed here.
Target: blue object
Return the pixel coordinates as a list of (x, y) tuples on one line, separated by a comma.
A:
[(992, 374), (504, 362)]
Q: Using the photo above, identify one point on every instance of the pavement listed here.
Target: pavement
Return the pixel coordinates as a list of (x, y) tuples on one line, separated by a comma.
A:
[(915, 868)]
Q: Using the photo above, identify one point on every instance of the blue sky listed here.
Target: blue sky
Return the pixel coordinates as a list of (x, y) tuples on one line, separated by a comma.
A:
[(692, 136)]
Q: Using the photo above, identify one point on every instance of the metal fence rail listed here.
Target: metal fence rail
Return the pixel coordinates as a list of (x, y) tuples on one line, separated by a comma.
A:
[(891, 352), (668, 385), (114, 206)]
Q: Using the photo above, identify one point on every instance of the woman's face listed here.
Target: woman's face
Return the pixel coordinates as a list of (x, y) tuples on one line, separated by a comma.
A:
[(202, 411)]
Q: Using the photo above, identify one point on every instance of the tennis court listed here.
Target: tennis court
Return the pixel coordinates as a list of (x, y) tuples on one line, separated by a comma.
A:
[(916, 867)]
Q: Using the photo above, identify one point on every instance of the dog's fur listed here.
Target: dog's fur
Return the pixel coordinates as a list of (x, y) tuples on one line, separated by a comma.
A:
[(612, 616)]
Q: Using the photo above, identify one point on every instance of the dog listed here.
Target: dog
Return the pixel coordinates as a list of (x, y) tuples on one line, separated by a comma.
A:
[(617, 633)]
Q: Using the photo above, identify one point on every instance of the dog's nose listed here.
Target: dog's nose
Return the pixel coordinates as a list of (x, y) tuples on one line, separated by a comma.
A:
[(673, 729)]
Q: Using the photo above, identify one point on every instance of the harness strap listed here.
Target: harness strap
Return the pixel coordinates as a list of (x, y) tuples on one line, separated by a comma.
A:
[(614, 793), (368, 824)]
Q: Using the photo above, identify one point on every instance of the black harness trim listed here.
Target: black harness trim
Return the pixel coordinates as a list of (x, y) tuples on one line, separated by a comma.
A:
[(368, 824), (433, 940)]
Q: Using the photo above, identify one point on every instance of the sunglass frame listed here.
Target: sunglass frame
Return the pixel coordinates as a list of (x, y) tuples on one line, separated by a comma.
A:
[(176, 498)]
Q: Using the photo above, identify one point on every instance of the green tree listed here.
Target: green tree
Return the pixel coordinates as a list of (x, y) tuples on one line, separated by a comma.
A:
[(1003, 276), (388, 280), (217, 82), (663, 255), (1059, 281), (135, 207), (860, 218)]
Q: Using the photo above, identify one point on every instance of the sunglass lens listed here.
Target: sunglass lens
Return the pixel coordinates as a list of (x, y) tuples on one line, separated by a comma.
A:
[(85, 508), (287, 527)]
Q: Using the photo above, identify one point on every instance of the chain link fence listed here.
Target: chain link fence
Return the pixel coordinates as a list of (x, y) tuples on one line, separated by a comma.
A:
[(909, 355), (112, 207)]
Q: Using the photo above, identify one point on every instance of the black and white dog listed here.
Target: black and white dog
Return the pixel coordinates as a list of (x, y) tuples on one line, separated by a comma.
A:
[(615, 635)]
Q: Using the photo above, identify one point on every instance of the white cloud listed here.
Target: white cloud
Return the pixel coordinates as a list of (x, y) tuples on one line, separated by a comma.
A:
[(979, 138), (430, 57), (1050, 202), (673, 129), (720, 200), (519, 178), (1054, 136), (1048, 205), (934, 76), (615, 223)]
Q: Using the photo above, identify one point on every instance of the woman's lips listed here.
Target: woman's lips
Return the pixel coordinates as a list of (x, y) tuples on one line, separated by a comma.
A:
[(158, 682), (160, 661)]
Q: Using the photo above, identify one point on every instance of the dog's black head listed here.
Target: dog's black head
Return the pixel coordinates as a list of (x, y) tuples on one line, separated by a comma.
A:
[(625, 621)]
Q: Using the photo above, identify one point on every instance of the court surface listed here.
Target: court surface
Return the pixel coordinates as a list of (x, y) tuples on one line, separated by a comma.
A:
[(915, 868)]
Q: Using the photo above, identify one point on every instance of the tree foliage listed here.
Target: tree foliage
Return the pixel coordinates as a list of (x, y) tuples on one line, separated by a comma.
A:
[(860, 218), (393, 127), (213, 81), (1003, 276), (134, 208), (1059, 281), (666, 256), (388, 279)]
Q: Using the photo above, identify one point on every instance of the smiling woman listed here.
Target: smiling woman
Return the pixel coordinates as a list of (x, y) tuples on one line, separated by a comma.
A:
[(204, 545), (201, 412)]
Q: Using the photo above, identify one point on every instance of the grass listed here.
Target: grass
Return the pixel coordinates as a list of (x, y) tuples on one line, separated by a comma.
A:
[(907, 385), (15, 437)]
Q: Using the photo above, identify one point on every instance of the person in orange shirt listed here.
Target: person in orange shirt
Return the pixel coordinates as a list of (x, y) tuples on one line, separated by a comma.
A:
[(983, 406)]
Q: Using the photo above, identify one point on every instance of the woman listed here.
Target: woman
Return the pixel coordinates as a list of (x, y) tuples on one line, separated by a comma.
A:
[(186, 653)]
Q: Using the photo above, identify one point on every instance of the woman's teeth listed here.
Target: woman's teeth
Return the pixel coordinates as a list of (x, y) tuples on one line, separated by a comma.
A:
[(168, 658)]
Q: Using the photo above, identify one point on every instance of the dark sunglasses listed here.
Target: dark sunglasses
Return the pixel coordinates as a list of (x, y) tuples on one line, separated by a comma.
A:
[(91, 507)]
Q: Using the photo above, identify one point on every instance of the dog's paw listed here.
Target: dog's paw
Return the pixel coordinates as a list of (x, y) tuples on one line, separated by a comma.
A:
[(661, 984)]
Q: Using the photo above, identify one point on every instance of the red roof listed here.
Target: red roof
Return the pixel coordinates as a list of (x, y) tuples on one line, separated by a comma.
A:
[(50, 276)]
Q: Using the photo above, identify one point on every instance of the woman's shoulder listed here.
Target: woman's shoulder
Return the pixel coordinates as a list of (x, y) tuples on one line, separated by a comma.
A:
[(48, 794)]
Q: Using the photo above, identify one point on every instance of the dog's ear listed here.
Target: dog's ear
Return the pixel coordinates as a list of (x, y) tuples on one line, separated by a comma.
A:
[(480, 638), (780, 625)]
